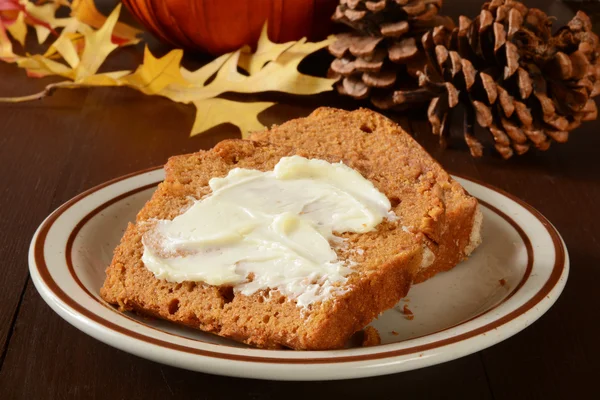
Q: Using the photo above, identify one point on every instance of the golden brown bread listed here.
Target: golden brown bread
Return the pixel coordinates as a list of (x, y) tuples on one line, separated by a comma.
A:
[(383, 274), (433, 204)]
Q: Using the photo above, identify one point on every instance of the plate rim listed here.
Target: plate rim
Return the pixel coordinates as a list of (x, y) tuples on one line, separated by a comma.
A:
[(37, 260)]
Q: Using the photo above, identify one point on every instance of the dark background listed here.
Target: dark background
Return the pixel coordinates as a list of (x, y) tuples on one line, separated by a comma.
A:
[(53, 149)]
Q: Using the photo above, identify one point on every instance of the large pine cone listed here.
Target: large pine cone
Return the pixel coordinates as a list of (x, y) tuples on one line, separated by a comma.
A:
[(525, 85), (384, 55)]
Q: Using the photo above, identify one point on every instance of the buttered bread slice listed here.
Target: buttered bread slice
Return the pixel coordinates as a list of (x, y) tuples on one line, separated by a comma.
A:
[(430, 203), (271, 245)]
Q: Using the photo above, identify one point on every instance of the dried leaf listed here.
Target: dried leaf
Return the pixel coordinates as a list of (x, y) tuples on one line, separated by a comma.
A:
[(40, 66), (201, 75), (43, 19), (213, 112), (280, 75), (156, 73), (67, 49), (106, 79), (266, 51), (6, 49), (18, 29), (98, 45), (86, 12), (7, 10), (56, 50)]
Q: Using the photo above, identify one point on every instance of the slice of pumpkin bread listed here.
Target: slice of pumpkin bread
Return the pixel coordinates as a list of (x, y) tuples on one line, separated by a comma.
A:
[(433, 205), (383, 261)]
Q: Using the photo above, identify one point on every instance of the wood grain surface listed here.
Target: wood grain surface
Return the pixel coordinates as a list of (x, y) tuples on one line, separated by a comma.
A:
[(55, 148)]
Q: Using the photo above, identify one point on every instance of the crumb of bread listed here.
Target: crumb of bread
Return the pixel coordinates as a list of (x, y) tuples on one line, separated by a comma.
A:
[(408, 314), (371, 337)]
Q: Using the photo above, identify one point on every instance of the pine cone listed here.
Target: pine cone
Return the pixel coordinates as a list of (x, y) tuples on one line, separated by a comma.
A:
[(388, 17), (525, 85), (386, 47)]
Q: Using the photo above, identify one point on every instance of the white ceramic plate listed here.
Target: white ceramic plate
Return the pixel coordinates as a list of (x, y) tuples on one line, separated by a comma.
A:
[(512, 279)]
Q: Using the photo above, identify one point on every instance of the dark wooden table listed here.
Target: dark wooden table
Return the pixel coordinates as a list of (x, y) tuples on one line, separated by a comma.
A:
[(53, 149)]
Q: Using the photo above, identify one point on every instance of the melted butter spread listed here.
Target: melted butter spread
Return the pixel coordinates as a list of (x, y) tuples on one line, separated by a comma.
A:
[(274, 229)]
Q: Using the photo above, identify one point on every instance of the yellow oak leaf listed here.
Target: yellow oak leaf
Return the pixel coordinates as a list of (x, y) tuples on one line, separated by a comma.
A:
[(201, 75), (45, 13), (265, 51), (213, 112), (285, 75), (18, 29), (6, 49), (105, 79), (76, 39), (40, 66), (98, 45), (71, 42), (279, 75), (65, 46), (156, 73), (86, 12)]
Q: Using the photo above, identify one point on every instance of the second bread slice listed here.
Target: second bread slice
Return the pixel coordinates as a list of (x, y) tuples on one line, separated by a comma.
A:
[(433, 205)]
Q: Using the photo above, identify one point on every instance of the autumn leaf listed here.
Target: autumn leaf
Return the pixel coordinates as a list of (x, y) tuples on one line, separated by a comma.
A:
[(265, 51), (8, 15), (39, 66), (18, 28), (86, 12), (43, 19), (6, 49), (98, 45), (281, 75), (210, 113), (201, 75), (155, 73), (65, 45), (57, 50)]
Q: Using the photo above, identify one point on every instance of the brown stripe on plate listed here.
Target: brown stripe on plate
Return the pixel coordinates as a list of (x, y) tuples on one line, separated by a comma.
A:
[(59, 293)]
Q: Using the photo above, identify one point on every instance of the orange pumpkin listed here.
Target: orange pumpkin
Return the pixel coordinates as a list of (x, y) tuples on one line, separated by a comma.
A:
[(221, 26)]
